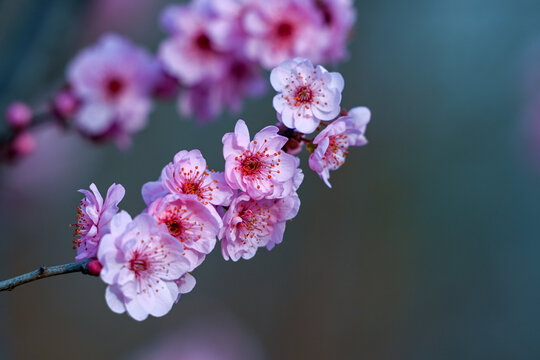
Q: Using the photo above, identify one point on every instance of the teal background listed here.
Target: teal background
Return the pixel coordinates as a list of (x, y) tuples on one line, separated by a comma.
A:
[(426, 247)]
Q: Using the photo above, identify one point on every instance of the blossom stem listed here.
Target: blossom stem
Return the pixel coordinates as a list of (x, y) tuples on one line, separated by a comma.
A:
[(44, 272)]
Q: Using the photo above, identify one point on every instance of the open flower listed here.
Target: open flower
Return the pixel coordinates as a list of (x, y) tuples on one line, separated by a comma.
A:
[(334, 141), (141, 264), (114, 80), (93, 218), (194, 225), (250, 224), (260, 167), (306, 94), (188, 174), (282, 29)]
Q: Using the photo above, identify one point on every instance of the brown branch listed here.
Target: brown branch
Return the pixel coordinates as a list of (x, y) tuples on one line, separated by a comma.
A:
[(44, 272)]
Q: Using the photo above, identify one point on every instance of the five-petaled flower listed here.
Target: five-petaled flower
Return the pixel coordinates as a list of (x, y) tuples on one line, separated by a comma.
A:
[(306, 95)]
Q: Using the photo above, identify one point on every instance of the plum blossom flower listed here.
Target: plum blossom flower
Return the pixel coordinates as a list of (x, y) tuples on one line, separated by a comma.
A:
[(338, 17), (333, 142), (260, 167), (282, 29), (188, 174), (194, 52), (193, 224), (94, 217), (250, 224), (306, 94), (141, 264), (114, 80)]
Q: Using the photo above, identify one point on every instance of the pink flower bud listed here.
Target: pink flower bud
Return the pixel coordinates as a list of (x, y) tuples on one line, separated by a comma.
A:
[(65, 104), (23, 144), (18, 115), (94, 267)]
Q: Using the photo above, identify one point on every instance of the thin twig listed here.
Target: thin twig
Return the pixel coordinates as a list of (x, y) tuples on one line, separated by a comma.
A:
[(43, 272)]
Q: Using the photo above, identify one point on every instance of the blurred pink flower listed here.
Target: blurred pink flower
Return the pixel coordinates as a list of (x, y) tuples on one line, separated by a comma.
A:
[(338, 17), (282, 29), (141, 263), (94, 217), (190, 222), (195, 50), (260, 167), (250, 224), (18, 115), (306, 94), (333, 142), (114, 80)]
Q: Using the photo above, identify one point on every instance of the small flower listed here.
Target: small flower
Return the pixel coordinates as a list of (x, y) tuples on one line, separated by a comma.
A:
[(282, 29), (306, 94), (194, 52), (250, 224), (141, 264), (188, 174), (194, 225), (333, 142), (94, 217), (260, 167), (114, 80)]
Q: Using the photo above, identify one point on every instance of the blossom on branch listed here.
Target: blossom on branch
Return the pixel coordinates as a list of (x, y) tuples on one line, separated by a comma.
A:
[(94, 217), (141, 264), (306, 94), (333, 142)]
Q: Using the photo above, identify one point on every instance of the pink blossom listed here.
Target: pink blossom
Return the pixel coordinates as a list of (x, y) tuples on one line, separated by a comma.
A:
[(194, 225), (114, 80), (333, 142), (250, 224), (306, 94), (18, 115), (188, 174), (282, 29), (94, 217), (260, 167), (338, 17), (141, 264), (23, 144), (195, 50), (240, 79)]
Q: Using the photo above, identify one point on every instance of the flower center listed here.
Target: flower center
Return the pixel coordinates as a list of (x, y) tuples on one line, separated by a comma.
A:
[(284, 30), (191, 187), (114, 87), (303, 95), (251, 165), (203, 42), (137, 265), (175, 228)]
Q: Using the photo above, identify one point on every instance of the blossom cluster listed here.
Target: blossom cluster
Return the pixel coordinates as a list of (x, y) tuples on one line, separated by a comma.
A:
[(147, 260), (211, 59)]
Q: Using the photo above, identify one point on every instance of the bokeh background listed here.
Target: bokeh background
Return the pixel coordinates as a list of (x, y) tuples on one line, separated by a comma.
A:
[(427, 246)]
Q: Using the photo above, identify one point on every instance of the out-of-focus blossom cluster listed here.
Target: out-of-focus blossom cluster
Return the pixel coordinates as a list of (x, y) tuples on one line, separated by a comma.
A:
[(211, 60), (147, 260)]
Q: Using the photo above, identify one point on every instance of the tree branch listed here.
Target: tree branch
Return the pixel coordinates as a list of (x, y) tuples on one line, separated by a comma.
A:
[(44, 272)]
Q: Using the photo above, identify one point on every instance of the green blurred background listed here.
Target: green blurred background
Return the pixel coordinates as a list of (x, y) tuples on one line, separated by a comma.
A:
[(425, 248)]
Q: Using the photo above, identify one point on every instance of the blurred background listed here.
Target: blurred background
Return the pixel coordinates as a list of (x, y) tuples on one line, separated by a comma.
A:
[(427, 246)]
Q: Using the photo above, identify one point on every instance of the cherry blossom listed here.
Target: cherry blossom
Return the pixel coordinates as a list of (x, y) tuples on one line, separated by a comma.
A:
[(114, 80), (260, 167), (188, 174), (333, 142), (194, 225), (141, 264), (250, 224), (93, 218), (306, 94)]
